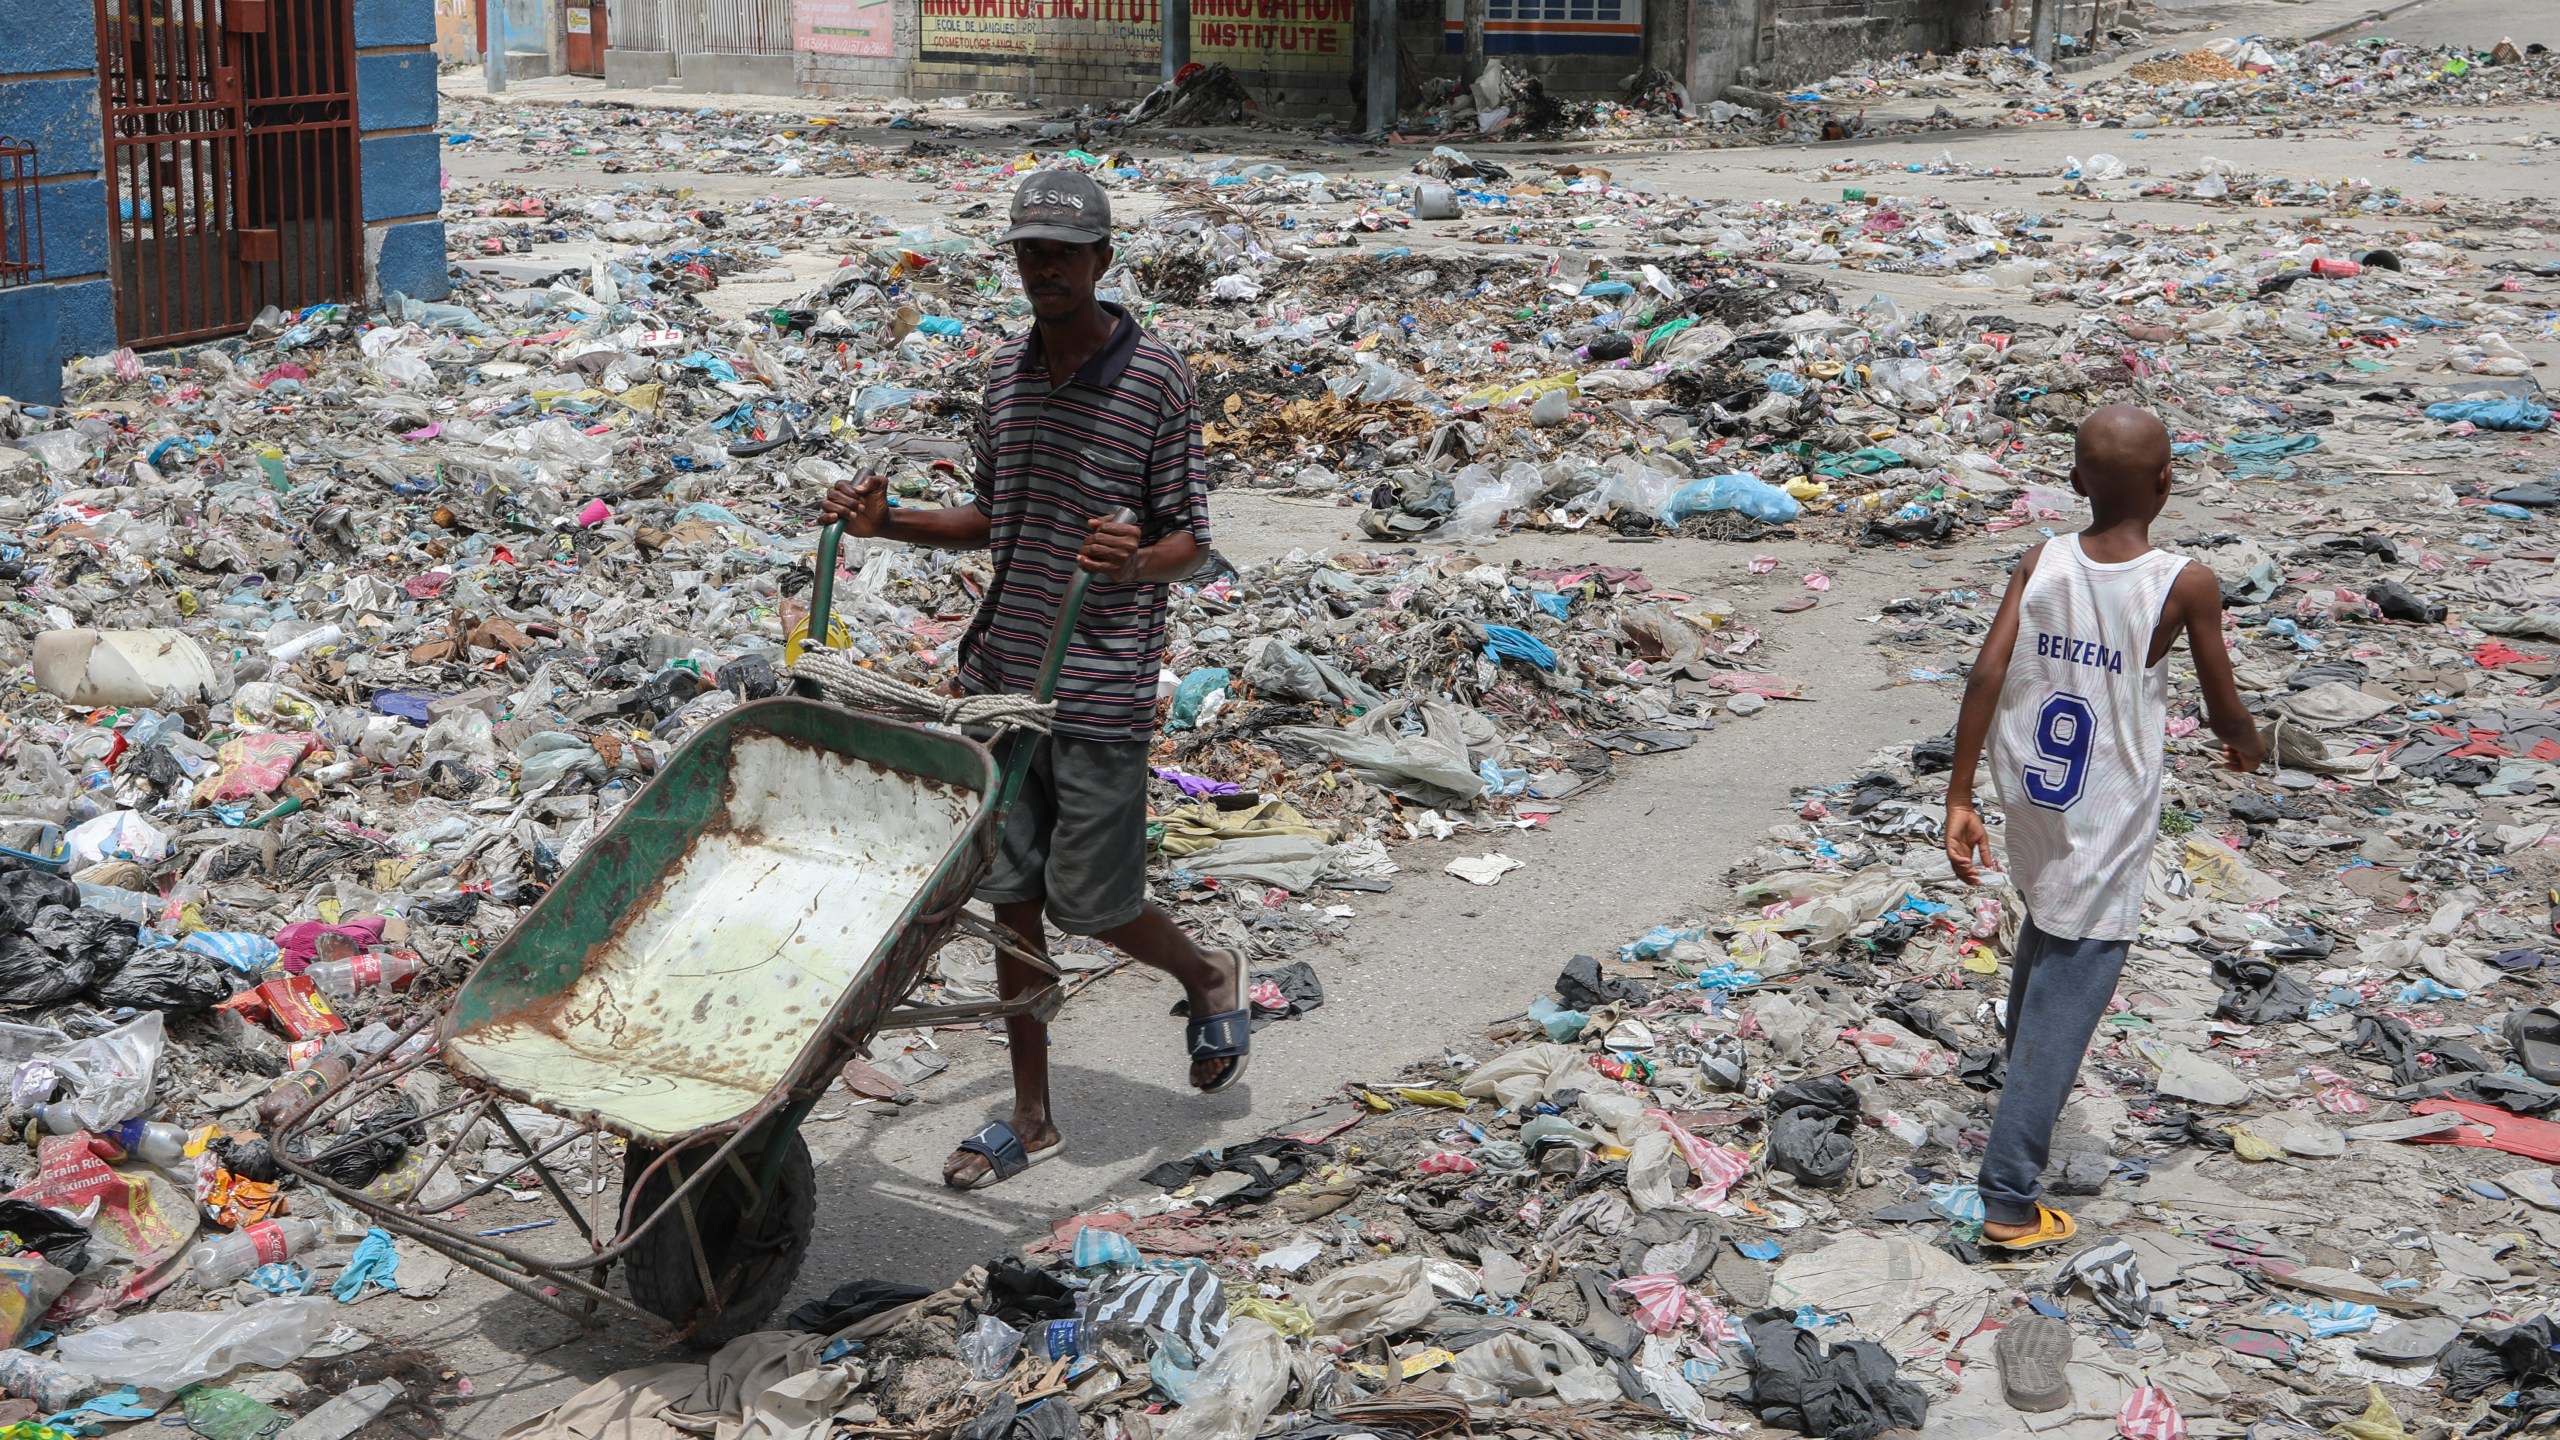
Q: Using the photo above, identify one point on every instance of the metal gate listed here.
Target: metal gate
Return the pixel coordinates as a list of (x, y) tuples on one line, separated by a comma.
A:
[(231, 161)]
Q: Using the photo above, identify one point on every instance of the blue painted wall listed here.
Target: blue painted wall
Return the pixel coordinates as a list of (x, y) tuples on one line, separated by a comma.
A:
[(403, 175), (395, 22), (51, 35), (395, 91), (88, 318), (46, 324), (75, 227), (59, 117), (411, 260), (31, 360)]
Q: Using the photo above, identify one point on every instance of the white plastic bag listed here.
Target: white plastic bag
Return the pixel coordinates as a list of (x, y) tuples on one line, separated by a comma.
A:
[(1241, 1384), (117, 835), (1484, 497), (174, 1350), (110, 1075), (1360, 1302)]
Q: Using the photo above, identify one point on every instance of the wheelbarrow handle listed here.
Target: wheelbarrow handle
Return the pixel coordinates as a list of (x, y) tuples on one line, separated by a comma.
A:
[(822, 594)]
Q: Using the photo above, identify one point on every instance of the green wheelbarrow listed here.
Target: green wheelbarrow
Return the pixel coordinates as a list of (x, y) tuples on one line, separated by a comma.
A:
[(690, 987)]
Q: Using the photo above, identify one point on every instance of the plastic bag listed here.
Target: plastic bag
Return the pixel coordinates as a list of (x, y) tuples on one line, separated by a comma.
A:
[(1380, 1297), (1198, 698), (2512, 413), (1813, 1130), (1236, 1391), (1916, 384), (465, 730), (219, 1414), (1281, 672), (553, 753), (1432, 767), (110, 1075), (28, 1287), (254, 766), (1741, 491), (1640, 489), (989, 1349), (173, 1350), (117, 835), (1484, 497), (180, 982), (31, 975)]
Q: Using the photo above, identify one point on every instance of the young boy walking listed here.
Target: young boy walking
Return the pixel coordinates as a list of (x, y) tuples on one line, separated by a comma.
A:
[(2071, 690)]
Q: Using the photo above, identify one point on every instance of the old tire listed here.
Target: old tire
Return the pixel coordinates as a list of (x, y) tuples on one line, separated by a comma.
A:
[(660, 1274)]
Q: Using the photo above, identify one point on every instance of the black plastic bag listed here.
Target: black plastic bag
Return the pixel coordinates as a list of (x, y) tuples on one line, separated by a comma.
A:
[(751, 677), (2396, 603), (2255, 992), (1843, 1392), (1299, 987), (180, 982), (1813, 1130), (23, 892), (2388, 1040), (250, 1158), (1581, 986), (853, 1301), (372, 1145), (31, 975), (61, 1240), (2517, 1358)]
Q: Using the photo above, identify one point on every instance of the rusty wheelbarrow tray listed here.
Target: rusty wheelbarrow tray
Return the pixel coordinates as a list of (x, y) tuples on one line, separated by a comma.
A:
[(690, 986)]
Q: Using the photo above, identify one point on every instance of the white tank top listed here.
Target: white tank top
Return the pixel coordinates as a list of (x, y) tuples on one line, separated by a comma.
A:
[(2076, 749)]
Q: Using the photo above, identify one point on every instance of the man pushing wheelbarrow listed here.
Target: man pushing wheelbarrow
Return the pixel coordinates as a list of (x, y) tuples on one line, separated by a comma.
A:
[(1087, 417)]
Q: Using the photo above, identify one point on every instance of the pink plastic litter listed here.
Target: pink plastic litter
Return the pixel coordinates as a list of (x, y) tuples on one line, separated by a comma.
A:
[(1662, 1304), (2149, 1414)]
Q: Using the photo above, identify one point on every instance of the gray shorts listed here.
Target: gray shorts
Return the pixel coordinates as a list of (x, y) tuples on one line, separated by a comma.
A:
[(1077, 840)]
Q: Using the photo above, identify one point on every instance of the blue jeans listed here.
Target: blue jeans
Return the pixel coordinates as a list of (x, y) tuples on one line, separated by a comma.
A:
[(2058, 992)]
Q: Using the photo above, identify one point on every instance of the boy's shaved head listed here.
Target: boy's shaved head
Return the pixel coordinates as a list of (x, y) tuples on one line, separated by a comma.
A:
[(2121, 462)]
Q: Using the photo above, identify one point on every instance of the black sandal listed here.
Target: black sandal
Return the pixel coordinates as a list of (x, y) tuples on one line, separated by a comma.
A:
[(1227, 1035), (1005, 1156)]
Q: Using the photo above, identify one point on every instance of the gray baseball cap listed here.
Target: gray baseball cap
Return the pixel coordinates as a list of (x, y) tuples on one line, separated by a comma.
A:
[(1059, 205)]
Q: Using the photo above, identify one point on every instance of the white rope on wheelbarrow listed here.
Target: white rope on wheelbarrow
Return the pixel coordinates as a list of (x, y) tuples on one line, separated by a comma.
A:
[(846, 683)]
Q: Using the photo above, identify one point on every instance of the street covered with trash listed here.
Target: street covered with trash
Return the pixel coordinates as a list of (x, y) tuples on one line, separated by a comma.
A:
[(1609, 502)]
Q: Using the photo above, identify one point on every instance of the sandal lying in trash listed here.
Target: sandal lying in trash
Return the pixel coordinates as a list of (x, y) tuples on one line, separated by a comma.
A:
[(2052, 1228), (2534, 1034), (1005, 1156), (2031, 1352)]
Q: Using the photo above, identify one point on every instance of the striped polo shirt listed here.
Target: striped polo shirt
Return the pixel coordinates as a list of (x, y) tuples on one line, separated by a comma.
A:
[(1123, 432)]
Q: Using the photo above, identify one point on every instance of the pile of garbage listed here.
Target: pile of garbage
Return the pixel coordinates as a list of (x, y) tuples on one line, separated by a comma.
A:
[(1721, 1175)]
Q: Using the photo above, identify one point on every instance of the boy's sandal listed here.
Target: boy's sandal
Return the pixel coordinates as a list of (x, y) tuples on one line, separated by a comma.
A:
[(2052, 1228)]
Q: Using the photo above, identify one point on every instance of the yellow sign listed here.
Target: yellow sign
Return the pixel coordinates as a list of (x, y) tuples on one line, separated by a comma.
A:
[(1273, 34)]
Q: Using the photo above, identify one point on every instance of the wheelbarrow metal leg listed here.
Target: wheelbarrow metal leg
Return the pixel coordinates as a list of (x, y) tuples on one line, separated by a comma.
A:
[(1042, 1005), (693, 1238), (550, 1182)]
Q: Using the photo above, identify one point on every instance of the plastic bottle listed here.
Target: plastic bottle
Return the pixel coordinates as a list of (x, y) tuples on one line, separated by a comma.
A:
[(294, 1095), (345, 979), (154, 1141), (226, 1258), (51, 1384)]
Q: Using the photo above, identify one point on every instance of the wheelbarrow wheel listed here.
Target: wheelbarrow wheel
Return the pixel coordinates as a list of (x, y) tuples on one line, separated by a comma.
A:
[(754, 1257)]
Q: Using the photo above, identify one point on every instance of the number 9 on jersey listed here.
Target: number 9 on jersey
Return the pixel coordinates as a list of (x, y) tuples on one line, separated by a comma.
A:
[(2064, 729)]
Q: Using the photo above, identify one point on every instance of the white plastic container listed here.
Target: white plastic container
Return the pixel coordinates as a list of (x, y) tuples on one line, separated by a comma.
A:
[(120, 667)]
